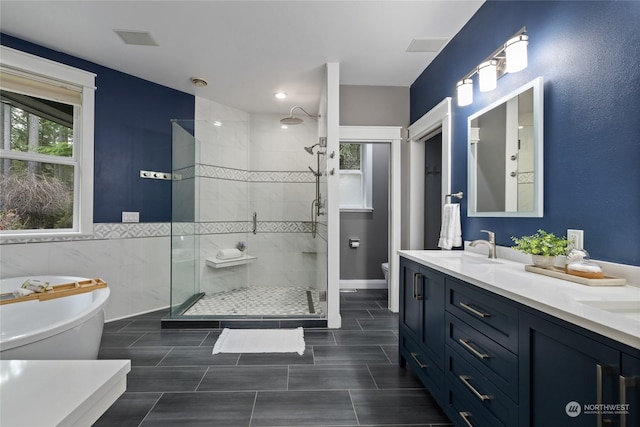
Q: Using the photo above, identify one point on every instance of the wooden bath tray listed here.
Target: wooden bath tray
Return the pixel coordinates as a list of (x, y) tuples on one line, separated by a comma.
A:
[(559, 273), (58, 291)]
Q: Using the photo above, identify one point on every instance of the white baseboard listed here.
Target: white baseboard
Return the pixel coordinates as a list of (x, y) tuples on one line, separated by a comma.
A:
[(363, 284)]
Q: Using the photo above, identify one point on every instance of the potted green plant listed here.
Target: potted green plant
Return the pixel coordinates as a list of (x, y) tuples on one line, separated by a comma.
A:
[(544, 247)]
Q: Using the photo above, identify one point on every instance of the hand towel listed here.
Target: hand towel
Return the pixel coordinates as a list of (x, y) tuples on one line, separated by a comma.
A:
[(228, 254), (451, 231)]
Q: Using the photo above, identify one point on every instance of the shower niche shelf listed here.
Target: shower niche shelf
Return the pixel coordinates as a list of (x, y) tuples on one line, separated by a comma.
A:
[(221, 263)]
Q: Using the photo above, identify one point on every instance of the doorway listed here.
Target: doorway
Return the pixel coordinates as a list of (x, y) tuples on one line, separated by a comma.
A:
[(433, 190)]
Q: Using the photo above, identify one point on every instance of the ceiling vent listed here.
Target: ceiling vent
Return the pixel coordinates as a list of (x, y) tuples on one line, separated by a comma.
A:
[(427, 44), (136, 38)]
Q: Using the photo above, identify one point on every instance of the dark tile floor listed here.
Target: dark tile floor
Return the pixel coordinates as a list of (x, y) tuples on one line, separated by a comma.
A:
[(346, 377)]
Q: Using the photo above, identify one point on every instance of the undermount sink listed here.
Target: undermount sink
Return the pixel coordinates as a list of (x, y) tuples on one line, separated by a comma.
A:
[(463, 257), (627, 308)]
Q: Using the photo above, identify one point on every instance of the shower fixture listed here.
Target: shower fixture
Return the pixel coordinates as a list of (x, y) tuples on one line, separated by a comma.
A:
[(316, 173), (290, 120), (310, 149)]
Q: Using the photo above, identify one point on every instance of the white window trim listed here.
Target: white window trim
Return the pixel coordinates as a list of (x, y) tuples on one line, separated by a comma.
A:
[(366, 170), (83, 137)]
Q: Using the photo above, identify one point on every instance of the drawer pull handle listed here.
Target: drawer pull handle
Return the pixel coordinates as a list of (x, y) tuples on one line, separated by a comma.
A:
[(465, 417), (624, 383), (474, 311), (465, 380), (468, 346), (420, 364)]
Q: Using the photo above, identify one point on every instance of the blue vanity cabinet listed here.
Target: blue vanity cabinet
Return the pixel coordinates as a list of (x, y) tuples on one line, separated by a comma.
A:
[(629, 383), (561, 371), (482, 356), (422, 324), (491, 361)]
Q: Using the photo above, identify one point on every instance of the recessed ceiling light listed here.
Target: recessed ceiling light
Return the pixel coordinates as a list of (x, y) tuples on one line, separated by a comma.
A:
[(199, 81), (217, 123), (280, 95), (427, 44), (137, 38), (284, 127)]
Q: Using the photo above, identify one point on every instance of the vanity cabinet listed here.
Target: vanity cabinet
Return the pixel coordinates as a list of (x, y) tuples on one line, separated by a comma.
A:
[(482, 361), (491, 361), (566, 373), (422, 324)]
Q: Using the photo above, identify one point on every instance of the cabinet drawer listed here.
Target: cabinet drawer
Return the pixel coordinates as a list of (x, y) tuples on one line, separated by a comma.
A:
[(487, 313), (476, 387), (467, 413), (495, 362), (422, 366)]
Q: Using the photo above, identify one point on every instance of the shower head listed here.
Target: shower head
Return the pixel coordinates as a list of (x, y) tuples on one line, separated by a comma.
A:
[(316, 173), (296, 120), (310, 149), (291, 120)]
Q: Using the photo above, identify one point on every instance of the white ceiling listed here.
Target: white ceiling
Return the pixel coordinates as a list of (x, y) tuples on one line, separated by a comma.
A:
[(247, 50)]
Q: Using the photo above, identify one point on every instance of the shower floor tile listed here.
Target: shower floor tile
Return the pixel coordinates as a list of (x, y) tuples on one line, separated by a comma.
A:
[(263, 301)]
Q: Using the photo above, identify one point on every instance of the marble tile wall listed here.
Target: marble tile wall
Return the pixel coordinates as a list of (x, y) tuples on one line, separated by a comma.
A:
[(274, 182), (134, 259)]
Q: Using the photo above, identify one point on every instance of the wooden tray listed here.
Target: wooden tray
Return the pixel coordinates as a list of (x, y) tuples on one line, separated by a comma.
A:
[(559, 273), (59, 291)]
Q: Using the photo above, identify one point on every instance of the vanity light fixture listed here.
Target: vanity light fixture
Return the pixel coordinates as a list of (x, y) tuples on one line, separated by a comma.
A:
[(511, 57), (516, 51), (465, 92), (488, 75)]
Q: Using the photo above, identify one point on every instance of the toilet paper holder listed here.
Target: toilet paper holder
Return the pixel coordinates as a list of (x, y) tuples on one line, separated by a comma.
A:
[(354, 242)]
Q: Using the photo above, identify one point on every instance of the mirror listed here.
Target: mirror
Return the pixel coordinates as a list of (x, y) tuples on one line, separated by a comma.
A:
[(505, 148)]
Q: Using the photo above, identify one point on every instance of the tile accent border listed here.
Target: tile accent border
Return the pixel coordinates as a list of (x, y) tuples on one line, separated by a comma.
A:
[(103, 231), (219, 172), (116, 230)]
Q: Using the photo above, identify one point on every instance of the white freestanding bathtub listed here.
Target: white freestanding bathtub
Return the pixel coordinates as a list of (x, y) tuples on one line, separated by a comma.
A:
[(69, 327)]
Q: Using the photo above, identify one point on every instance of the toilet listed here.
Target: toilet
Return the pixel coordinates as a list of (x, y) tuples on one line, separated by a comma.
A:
[(385, 270)]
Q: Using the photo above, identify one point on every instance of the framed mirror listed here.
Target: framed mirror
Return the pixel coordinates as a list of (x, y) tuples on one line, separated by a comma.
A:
[(505, 155)]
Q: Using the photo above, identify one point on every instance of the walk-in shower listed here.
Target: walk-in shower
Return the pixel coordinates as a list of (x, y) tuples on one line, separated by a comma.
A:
[(244, 248)]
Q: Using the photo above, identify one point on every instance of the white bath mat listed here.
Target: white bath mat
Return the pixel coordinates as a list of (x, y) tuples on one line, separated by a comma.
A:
[(260, 341)]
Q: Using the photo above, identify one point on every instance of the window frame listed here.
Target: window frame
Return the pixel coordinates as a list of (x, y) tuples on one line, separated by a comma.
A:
[(37, 68), (366, 179)]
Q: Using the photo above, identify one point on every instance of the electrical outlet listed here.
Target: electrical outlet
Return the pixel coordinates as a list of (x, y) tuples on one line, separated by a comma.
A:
[(576, 238), (130, 216)]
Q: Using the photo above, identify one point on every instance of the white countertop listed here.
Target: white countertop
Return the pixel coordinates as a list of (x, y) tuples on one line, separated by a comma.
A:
[(611, 311), (37, 393)]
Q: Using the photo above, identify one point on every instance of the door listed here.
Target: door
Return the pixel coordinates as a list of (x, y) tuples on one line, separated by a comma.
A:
[(433, 191), (411, 299), (564, 376)]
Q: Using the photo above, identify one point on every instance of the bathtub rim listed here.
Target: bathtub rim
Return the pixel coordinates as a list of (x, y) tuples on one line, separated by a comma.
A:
[(99, 301)]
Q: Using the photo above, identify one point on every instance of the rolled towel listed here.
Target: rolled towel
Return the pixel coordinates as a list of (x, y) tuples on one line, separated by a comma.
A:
[(36, 285), (584, 269), (228, 254), (21, 292)]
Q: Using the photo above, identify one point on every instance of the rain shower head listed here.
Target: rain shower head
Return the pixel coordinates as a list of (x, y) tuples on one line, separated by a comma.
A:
[(296, 120), (291, 121)]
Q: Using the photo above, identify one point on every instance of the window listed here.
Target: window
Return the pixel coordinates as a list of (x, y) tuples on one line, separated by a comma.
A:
[(46, 147), (355, 176)]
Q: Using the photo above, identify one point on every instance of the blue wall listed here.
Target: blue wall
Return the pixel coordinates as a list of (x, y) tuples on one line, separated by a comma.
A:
[(589, 56), (132, 132)]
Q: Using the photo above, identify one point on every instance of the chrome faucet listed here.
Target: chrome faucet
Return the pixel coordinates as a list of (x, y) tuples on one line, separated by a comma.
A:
[(491, 243)]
